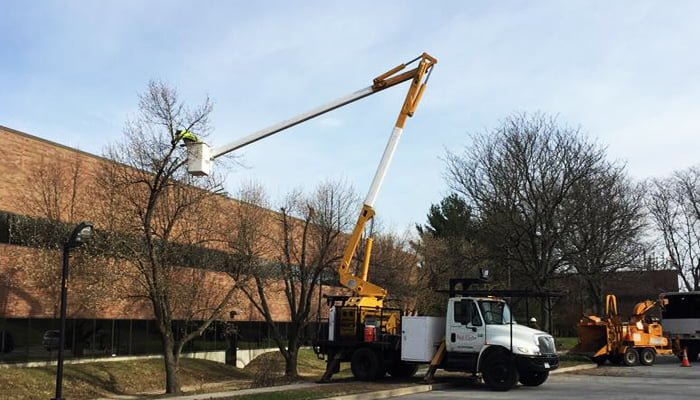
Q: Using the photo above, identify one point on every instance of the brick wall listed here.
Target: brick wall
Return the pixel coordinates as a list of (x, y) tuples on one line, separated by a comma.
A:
[(23, 293)]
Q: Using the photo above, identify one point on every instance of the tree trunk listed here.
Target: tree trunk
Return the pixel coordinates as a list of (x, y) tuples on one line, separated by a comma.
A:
[(172, 380), (290, 361)]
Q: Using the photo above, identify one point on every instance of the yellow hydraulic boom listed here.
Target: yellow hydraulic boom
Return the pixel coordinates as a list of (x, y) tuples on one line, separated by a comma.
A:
[(200, 157)]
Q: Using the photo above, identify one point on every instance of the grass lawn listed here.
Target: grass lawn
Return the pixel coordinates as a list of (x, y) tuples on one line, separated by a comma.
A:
[(85, 381), (565, 343), (91, 380)]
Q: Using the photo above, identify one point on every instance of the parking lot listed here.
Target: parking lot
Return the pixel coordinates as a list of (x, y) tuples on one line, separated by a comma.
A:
[(664, 380)]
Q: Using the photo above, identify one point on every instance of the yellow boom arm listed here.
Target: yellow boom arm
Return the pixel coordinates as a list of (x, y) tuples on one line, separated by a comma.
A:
[(200, 157), (368, 294)]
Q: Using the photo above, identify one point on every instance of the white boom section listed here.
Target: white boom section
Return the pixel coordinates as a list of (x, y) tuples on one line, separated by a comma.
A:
[(383, 166), (200, 154)]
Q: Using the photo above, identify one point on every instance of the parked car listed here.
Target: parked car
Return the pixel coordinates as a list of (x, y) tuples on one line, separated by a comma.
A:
[(51, 339)]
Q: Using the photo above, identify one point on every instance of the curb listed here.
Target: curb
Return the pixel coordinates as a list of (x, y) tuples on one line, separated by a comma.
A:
[(574, 368), (217, 395), (384, 394)]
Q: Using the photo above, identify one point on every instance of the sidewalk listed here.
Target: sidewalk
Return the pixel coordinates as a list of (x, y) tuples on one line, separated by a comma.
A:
[(380, 394)]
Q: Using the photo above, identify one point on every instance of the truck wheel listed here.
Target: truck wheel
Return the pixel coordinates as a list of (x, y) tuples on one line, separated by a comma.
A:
[(533, 378), (647, 356), (366, 365), (499, 372), (630, 357), (402, 369)]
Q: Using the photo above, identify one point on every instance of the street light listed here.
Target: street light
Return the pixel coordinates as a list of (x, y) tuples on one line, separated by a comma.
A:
[(82, 233)]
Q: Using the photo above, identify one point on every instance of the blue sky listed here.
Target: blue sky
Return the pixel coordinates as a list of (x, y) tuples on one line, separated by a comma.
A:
[(627, 73)]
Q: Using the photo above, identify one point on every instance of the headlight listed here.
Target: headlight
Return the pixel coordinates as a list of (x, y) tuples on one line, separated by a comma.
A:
[(528, 350)]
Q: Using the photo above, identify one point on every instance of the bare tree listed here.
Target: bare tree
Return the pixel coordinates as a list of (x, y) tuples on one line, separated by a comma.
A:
[(605, 236), (674, 205), (519, 180), (159, 218), (394, 266), (307, 240)]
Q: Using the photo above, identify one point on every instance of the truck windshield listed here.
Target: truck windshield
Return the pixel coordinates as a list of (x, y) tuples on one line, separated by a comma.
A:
[(495, 312)]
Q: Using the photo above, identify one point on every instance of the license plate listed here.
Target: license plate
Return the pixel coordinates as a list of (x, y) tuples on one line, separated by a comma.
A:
[(546, 365)]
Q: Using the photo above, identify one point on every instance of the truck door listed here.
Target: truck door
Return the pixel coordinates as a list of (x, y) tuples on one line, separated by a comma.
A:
[(465, 330)]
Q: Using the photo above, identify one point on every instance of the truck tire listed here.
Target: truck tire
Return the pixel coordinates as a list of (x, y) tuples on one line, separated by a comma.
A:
[(533, 378), (402, 369), (647, 356), (630, 357), (366, 365), (499, 372)]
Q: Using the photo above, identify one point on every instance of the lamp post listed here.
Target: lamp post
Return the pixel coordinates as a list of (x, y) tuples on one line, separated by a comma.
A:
[(80, 235)]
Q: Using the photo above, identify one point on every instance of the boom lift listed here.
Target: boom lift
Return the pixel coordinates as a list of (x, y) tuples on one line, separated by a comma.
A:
[(478, 334), (365, 294)]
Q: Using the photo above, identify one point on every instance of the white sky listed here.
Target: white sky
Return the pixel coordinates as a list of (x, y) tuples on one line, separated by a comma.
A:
[(626, 72)]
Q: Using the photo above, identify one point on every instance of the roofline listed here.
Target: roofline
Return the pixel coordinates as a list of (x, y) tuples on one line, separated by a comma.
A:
[(56, 144)]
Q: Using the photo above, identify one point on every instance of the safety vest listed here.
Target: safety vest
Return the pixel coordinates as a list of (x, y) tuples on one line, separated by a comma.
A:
[(186, 136)]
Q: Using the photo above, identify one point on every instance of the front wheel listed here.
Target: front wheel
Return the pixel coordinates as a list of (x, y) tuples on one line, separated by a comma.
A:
[(533, 378), (499, 372), (647, 356)]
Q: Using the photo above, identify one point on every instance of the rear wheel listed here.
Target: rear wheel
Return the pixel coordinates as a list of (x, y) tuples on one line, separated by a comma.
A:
[(630, 357), (647, 356), (499, 372), (402, 369), (366, 365), (533, 378)]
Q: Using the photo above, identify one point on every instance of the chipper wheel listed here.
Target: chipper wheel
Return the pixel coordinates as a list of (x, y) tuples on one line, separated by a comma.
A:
[(630, 357), (647, 356)]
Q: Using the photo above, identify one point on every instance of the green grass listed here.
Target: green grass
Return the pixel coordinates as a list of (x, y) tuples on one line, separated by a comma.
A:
[(565, 343), (84, 381)]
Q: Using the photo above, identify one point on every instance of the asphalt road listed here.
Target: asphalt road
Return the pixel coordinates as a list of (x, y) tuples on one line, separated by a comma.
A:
[(664, 380)]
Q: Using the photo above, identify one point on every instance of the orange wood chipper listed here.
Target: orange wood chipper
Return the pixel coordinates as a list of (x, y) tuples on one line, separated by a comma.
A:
[(638, 340)]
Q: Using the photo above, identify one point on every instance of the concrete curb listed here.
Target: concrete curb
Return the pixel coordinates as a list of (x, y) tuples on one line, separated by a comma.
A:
[(574, 368), (385, 394), (217, 395)]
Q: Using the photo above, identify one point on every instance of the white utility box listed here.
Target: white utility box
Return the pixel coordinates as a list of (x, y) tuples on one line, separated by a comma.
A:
[(420, 337)]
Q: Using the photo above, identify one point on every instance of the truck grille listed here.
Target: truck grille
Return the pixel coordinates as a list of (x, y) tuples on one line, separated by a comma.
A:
[(546, 345)]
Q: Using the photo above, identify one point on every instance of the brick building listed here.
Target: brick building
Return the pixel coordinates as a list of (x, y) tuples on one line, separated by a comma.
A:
[(101, 321)]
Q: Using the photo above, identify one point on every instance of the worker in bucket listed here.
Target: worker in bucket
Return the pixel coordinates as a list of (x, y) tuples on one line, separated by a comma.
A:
[(533, 323), (184, 135)]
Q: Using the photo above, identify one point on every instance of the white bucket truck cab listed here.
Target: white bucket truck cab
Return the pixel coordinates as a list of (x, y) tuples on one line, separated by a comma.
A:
[(480, 336)]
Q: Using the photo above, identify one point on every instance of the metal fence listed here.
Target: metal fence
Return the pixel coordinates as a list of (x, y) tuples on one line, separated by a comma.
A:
[(33, 339)]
